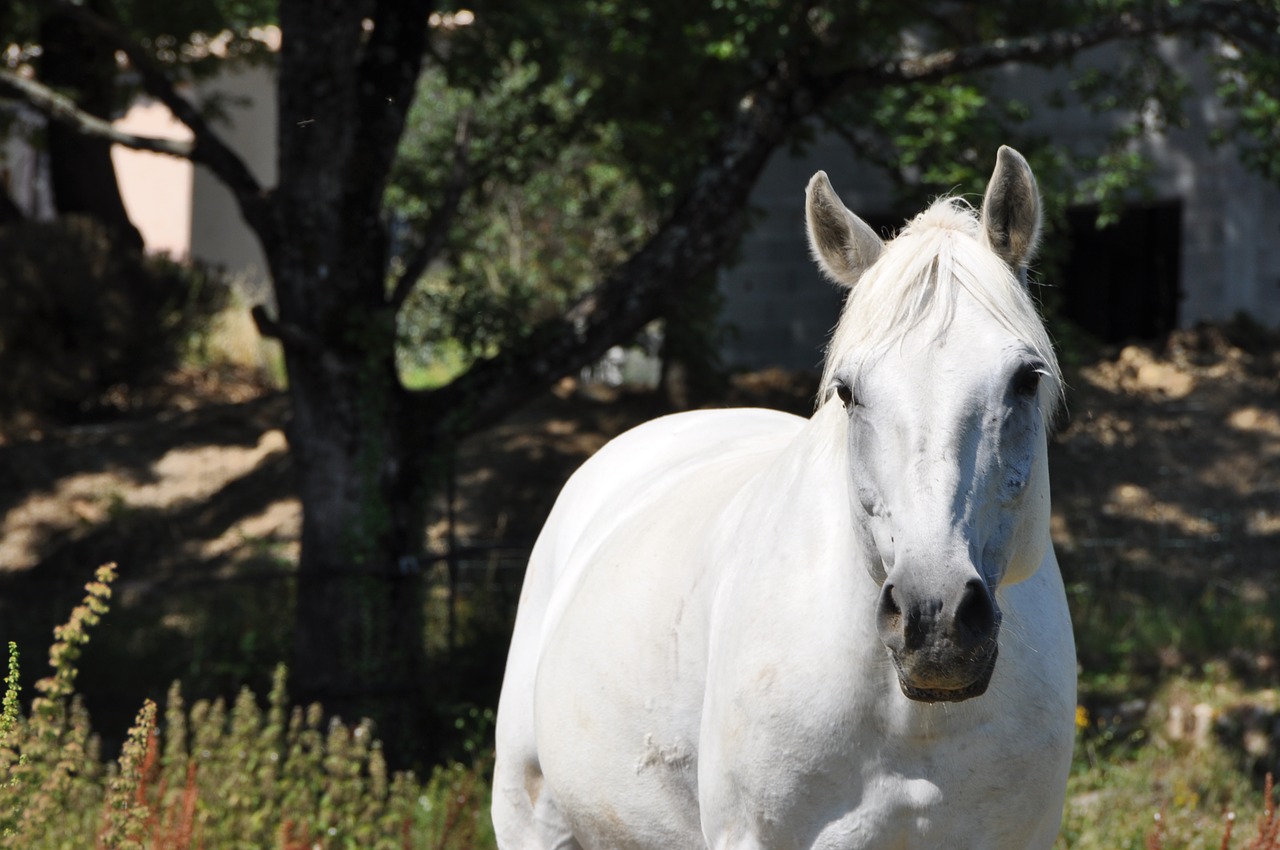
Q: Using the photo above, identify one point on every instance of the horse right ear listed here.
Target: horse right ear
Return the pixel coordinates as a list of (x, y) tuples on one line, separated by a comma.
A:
[(843, 245), (1011, 209)]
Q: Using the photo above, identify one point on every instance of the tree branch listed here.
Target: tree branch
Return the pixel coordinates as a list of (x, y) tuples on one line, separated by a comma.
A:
[(60, 108), (207, 147), (1242, 20), (689, 245), (437, 226), (289, 335)]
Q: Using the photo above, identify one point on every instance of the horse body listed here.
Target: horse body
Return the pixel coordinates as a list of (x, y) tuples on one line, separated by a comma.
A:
[(741, 629)]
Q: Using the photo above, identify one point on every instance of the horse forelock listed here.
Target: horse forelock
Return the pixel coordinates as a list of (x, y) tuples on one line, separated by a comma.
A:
[(915, 284)]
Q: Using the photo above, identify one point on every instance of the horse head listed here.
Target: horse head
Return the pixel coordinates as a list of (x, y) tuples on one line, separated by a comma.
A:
[(948, 384)]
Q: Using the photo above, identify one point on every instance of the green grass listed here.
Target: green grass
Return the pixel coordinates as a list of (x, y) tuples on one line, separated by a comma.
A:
[(1114, 804), (1131, 639), (1147, 649), (447, 361), (1136, 786)]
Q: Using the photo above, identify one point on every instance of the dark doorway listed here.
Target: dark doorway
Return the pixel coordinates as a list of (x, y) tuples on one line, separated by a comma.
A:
[(1122, 282)]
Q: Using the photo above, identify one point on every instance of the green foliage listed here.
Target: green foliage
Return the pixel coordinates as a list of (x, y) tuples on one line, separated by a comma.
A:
[(50, 757), (931, 137), (589, 123), (125, 812), (1122, 634), (9, 712), (1149, 92), (213, 775), (426, 364), (9, 716), (251, 775), (547, 217), (692, 370), (456, 809), (1249, 83), (178, 34), (666, 75)]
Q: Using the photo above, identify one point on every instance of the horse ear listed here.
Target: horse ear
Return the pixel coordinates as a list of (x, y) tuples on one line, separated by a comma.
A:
[(843, 245), (1011, 209)]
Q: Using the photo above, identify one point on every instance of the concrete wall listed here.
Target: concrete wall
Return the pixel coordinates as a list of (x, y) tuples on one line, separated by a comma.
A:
[(24, 167), (156, 189), (219, 234), (778, 307)]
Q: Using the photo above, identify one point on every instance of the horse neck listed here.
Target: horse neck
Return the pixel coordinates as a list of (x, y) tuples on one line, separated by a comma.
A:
[(804, 495)]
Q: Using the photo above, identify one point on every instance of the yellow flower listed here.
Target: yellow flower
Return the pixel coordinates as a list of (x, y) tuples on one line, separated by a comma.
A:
[(1082, 717)]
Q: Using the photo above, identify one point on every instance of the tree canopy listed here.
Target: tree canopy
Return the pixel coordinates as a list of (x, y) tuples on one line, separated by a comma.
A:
[(544, 178)]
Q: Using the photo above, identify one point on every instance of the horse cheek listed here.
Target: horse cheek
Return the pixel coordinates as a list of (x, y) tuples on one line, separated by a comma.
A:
[(1030, 538)]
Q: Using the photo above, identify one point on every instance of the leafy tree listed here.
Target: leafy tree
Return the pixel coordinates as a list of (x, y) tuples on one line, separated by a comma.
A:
[(70, 59), (536, 226), (689, 101)]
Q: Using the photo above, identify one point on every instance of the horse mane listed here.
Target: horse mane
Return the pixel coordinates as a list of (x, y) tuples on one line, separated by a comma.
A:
[(917, 279)]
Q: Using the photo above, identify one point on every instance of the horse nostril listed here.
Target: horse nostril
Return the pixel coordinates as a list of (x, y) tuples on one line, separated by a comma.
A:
[(976, 617), (887, 602), (889, 617)]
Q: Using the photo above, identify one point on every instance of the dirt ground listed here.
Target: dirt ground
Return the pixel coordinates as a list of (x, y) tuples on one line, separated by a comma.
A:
[(1166, 505), (1175, 449), (1166, 473)]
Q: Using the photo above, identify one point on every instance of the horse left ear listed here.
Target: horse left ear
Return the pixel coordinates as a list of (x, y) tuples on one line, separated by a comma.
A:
[(843, 245), (1011, 209)]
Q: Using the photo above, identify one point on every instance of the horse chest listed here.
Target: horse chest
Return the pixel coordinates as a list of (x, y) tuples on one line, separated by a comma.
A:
[(875, 782), (842, 761)]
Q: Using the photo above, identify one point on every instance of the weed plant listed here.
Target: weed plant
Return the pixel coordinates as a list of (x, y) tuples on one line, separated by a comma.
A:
[(214, 775)]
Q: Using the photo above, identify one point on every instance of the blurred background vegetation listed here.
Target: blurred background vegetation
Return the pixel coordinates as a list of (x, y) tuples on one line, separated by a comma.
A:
[(553, 158)]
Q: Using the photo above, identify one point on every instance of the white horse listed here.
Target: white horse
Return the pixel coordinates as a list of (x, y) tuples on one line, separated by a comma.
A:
[(742, 629)]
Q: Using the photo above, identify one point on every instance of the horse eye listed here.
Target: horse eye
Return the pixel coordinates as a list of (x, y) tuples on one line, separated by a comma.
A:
[(845, 393), (1026, 381)]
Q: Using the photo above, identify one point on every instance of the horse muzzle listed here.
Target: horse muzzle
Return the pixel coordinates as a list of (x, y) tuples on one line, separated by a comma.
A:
[(943, 643)]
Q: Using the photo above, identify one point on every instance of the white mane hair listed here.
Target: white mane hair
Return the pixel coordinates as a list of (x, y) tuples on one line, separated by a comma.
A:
[(916, 280)]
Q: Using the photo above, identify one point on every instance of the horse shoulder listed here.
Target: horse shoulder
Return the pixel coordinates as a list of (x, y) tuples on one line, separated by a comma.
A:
[(610, 625)]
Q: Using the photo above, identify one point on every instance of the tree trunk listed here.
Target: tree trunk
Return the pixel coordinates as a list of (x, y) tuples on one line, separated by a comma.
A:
[(80, 169), (365, 448), (10, 212), (359, 636), (344, 92)]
